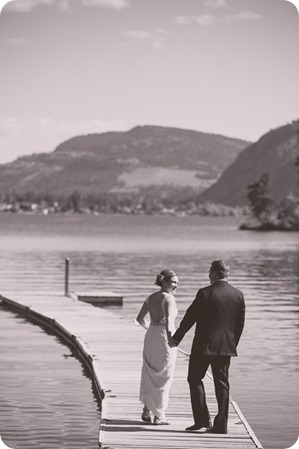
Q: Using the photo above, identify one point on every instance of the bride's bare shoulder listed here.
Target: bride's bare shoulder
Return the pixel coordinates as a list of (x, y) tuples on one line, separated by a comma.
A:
[(168, 297)]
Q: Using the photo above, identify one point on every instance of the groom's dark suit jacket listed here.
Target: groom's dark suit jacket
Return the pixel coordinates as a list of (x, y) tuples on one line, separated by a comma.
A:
[(219, 313)]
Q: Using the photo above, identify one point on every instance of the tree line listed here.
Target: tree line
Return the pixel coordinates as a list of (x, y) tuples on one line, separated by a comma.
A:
[(149, 201), (268, 214)]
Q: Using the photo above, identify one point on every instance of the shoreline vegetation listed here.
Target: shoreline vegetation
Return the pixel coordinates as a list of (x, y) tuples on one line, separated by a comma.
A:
[(278, 226), (176, 202), (267, 214), (261, 214)]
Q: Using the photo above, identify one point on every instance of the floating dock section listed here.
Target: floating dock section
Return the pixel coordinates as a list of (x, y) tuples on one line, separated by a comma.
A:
[(111, 348), (97, 298)]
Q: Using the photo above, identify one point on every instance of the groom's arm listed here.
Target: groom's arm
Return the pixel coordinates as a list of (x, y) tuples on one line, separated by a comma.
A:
[(240, 321), (190, 317)]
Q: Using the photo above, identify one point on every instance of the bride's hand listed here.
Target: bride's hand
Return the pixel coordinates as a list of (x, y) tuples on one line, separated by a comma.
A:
[(171, 342)]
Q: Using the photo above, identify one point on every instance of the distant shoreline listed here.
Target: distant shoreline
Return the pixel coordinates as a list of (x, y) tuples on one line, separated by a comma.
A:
[(214, 212), (249, 226), (268, 227)]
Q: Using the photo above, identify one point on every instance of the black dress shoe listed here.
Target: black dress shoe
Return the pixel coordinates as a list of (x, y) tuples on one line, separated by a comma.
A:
[(198, 427), (215, 430)]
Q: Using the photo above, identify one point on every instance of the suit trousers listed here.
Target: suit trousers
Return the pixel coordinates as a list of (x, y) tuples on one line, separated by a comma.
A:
[(198, 365)]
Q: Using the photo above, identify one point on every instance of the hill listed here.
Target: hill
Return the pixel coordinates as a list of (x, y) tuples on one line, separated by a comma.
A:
[(124, 161), (274, 153)]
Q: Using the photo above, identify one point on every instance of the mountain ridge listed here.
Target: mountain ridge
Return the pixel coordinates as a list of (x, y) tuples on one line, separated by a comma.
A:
[(274, 153), (117, 160)]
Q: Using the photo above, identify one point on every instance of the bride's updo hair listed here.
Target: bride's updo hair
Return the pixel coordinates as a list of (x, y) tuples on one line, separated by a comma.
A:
[(165, 275)]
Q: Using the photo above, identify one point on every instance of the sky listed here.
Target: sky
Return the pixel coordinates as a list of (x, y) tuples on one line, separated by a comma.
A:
[(73, 67)]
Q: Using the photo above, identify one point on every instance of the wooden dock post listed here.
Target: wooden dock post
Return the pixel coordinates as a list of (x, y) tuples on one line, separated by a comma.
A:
[(92, 297), (66, 277)]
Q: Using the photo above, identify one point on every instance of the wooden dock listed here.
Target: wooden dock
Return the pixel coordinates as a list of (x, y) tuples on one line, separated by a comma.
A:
[(112, 350), (98, 298)]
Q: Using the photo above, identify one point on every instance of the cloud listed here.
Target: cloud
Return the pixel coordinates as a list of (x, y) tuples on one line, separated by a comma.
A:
[(156, 38), (243, 15), (206, 20), (139, 34), (182, 20), (216, 3), (21, 137), (16, 41), (29, 5), (18, 6), (203, 20), (114, 4)]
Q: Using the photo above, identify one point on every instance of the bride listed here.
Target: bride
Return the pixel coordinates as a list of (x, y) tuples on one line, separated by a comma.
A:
[(158, 357)]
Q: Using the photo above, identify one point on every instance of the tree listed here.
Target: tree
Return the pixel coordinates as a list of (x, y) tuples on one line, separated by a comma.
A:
[(260, 201), (288, 213), (72, 202)]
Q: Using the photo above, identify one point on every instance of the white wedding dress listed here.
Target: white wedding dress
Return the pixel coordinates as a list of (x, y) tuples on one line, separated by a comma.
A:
[(158, 366)]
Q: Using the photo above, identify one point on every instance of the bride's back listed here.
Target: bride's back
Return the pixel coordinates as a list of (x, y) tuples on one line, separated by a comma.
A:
[(155, 304)]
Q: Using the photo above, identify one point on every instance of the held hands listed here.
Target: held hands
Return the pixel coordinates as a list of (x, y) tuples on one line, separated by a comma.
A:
[(171, 342)]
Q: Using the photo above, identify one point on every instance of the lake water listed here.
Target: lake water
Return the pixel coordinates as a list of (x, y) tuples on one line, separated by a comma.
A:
[(124, 254), (42, 387)]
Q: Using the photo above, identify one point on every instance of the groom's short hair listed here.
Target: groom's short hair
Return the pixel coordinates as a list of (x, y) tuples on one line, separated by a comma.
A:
[(220, 268)]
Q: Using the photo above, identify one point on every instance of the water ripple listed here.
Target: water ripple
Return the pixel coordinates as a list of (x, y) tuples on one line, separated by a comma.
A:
[(46, 399)]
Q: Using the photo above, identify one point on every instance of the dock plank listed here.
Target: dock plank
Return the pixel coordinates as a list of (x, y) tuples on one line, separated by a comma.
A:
[(113, 348)]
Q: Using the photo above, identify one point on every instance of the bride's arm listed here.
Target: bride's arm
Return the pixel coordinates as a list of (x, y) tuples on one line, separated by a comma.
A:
[(141, 315), (170, 314)]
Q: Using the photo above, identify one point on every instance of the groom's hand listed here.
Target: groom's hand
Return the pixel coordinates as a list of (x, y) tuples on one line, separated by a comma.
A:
[(172, 343)]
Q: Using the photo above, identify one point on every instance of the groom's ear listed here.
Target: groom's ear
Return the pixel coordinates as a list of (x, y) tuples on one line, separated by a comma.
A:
[(213, 275)]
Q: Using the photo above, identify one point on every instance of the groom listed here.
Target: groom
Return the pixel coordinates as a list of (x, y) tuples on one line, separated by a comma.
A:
[(219, 313)]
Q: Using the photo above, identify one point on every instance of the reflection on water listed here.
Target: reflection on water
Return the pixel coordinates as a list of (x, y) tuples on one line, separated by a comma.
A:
[(42, 387), (124, 254)]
